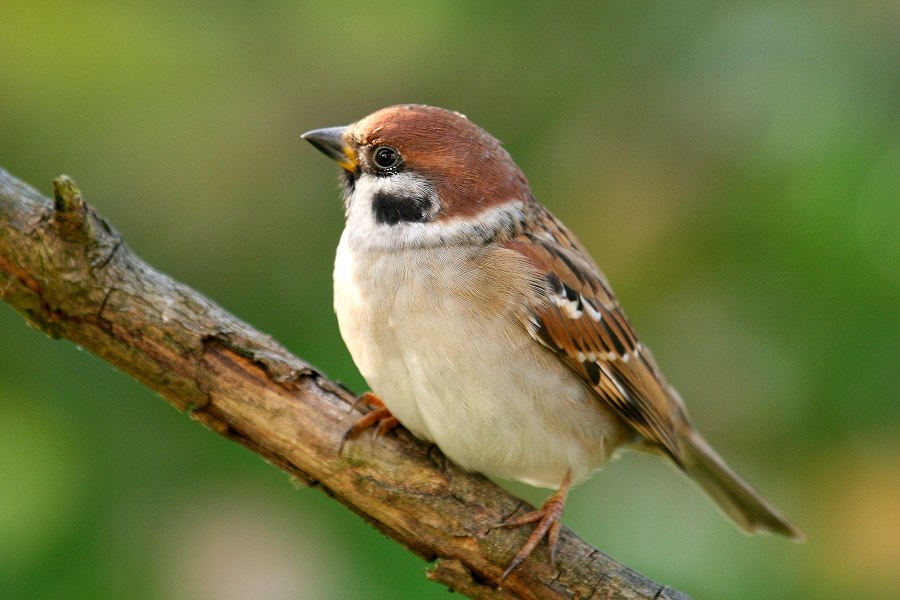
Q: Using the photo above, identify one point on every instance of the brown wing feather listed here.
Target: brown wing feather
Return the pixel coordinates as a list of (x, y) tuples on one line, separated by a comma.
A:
[(580, 319)]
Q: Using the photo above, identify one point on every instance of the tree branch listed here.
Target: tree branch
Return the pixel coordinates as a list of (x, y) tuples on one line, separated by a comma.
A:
[(68, 272)]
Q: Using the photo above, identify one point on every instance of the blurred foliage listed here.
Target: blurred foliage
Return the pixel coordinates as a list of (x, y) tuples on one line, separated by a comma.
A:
[(734, 166)]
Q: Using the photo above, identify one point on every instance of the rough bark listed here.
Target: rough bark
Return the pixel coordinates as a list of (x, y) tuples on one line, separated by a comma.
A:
[(69, 273)]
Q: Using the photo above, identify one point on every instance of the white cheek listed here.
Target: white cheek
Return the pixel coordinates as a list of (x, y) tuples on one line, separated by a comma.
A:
[(364, 231), (362, 227)]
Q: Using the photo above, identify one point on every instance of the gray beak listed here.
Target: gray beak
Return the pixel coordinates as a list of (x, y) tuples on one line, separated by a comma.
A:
[(330, 141)]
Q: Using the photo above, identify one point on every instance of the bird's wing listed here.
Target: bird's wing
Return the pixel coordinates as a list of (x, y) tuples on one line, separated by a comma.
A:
[(579, 319)]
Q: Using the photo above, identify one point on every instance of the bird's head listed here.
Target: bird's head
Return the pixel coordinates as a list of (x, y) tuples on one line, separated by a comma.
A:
[(417, 174)]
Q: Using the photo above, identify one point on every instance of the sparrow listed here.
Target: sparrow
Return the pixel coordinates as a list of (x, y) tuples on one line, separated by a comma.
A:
[(482, 324)]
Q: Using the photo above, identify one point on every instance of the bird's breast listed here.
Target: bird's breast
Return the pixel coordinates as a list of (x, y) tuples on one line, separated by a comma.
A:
[(438, 335)]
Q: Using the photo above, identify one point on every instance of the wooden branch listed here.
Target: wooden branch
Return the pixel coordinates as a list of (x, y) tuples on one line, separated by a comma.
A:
[(69, 273)]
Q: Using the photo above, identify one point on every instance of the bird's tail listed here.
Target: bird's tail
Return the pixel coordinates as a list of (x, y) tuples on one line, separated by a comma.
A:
[(734, 496)]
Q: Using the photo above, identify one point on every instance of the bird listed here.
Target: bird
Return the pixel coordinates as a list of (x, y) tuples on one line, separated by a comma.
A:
[(482, 324)]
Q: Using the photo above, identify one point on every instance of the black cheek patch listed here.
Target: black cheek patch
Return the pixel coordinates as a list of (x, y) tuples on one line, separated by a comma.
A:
[(392, 209)]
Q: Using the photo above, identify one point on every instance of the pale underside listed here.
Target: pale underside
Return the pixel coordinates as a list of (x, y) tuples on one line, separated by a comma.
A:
[(438, 334)]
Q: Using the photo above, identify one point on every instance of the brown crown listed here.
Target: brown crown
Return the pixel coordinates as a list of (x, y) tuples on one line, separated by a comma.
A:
[(468, 166)]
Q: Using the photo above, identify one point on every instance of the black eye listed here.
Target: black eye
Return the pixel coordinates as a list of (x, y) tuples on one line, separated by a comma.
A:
[(386, 157)]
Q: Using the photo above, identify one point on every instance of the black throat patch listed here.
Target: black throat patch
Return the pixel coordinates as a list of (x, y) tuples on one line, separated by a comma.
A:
[(391, 209)]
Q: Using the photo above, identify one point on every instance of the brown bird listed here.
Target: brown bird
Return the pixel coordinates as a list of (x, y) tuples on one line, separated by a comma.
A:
[(483, 325)]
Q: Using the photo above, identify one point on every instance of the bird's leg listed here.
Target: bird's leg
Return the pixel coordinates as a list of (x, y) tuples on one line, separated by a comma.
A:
[(549, 520), (379, 414)]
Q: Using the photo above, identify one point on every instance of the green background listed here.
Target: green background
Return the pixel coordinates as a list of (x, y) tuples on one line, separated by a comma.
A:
[(733, 166)]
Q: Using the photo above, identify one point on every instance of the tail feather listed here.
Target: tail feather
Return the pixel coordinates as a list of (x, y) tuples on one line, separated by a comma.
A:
[(733, 495)]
